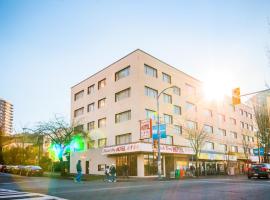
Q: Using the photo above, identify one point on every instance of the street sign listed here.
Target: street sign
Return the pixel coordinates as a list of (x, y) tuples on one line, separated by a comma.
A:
[(146, 129), (162, 131), (256, 153)]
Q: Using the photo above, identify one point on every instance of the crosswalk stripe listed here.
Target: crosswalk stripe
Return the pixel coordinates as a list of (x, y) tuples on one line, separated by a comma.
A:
[(12, 194)]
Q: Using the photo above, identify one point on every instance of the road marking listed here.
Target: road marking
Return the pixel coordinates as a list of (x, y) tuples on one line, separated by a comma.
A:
[(12, 194), (102, 189), (7, 183)]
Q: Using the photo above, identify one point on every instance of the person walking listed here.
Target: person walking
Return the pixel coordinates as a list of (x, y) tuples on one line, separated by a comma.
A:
[(107, 174), (79, 172), (113, 173)]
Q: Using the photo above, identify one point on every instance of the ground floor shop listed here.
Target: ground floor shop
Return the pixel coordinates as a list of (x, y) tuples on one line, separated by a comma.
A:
[(139, 160)]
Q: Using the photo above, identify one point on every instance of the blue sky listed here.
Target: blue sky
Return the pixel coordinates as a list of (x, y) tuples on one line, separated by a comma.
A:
[(48, 46)]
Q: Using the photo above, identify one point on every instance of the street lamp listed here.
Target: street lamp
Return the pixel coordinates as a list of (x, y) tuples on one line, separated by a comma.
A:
[(158, 132)]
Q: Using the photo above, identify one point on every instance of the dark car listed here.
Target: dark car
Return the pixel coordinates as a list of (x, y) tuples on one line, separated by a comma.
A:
[(3, 168), (259, 170), (33, 171)]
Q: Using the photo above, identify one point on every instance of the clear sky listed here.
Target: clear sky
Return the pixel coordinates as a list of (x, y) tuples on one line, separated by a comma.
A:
[(48, 46)]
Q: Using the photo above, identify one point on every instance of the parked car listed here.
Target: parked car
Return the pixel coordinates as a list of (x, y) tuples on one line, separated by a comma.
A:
[(8, 168), (33, 171), (259, 170), (16, 169), (3, 168)]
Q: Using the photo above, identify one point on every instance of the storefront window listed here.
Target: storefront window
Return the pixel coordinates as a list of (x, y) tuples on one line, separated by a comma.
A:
[(150, 165), (130, 161)]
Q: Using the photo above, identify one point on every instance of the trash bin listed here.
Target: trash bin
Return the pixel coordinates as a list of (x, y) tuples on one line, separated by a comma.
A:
[(182, 173), (177, 173)]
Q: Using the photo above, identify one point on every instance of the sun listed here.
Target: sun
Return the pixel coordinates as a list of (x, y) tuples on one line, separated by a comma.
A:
[(217, 84)]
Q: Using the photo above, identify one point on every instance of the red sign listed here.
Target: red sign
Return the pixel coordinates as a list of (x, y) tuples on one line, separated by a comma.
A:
[(146, 129)]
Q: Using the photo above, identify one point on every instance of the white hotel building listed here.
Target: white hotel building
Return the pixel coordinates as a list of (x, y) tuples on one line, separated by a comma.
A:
[(111, 103)]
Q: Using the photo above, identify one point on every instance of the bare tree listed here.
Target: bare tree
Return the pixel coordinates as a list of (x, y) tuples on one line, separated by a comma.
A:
[(246, 147), (263, 122), (61, 134), (197, 138)]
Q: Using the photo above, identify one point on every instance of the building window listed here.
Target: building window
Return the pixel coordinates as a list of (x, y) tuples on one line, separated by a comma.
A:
[(191, 107), (250, 115), (101, 167), (122, 73), (102, 142), (221, 132), (90, 89), (167, 98), (234, 135), (150, 71), (122, 94), (168, 119), (123, 139), (208, 129), (78, 95), (177, 110), (90, 107), (101, 103), (177, 129), (150, 92), (91, 125), (208, 113), (223, 147), (78, 112), (168, 140), (177, 90), (241, 111), (250, 127), (234, 149), (191, 124), (221, 118), (151, 114), (191, 91), (242, 124), (209, 146), (246, 113), (233, 121), (91, 144), (102, 123), (102, 83), (124, 116), (78, 128), (166, 78)]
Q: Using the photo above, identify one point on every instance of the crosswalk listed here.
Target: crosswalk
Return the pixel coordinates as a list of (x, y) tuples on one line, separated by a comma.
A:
[(12, 194)]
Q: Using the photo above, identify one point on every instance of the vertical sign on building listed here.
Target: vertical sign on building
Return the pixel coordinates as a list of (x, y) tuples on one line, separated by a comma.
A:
[(146, 129)]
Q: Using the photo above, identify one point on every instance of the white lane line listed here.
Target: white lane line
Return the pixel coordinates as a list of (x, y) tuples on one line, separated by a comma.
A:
[(102, 189)]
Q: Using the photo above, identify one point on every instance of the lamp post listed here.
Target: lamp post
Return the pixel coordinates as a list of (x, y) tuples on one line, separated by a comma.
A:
[(158, 132)]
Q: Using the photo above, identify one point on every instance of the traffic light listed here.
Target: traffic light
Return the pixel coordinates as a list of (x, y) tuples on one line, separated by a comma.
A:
[(236, 96), (155, 144)]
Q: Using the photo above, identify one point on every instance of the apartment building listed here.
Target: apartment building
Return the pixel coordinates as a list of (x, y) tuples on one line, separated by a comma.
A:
[(6, 116), (112, 103)]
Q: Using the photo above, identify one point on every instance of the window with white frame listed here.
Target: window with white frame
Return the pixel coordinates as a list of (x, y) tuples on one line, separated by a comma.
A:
[(123, 139), (123, 116), (177, 110), (242, 124), (208, 129), (122, 94), (190, 107), (150, 71), (151, 114), (167, 98), (102, 142), (91, 107), (102, 83), (177, 129), (101, 103), (91, 125), (102, 123), (78, 112), (169, 140), (233, 135), (122, 73), (209, 146), (191, 124), (177, 90), (78, 95), (221, 132), (90, 89), (233, 121), (150, 92), (234, 149), (191, 91), (221, 118), (168, 119), (223, 147), (166, 77), (208, 113)]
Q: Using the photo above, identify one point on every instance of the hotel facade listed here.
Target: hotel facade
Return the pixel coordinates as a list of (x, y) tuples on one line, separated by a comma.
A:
[(113, 103)]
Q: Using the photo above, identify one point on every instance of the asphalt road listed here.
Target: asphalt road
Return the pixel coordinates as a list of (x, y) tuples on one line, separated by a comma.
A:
[(208, 188)]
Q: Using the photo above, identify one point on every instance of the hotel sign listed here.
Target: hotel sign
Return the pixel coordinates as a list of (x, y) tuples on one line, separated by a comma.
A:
[(146, 129), (145, 147)]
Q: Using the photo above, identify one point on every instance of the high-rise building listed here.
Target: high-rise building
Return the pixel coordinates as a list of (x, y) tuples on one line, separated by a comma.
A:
[(113, 103), (6, 116)]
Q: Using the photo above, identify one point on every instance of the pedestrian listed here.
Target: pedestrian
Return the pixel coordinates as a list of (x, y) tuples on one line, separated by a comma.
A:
[(79, 172), (125, 170), (107, 174), (113, 173)]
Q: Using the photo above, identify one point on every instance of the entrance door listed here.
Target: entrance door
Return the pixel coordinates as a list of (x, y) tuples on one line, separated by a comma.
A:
[(87, 167), (169, 165)]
